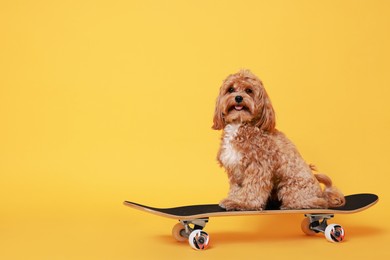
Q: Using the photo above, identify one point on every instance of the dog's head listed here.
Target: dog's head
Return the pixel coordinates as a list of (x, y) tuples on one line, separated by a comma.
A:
[(243, 99)]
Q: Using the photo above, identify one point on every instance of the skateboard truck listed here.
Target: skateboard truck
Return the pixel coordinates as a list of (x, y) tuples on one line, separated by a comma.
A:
[(198, 224), (192, 230), (316, 223)]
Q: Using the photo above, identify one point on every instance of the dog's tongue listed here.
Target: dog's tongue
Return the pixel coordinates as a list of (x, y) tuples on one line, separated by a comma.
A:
[(238, 108)]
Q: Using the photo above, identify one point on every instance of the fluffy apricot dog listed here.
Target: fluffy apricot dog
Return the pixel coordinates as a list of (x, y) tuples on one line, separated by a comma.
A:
[(262, 164)]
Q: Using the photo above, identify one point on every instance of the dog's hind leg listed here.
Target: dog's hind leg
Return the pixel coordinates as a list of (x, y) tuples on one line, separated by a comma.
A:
[(302, 195)]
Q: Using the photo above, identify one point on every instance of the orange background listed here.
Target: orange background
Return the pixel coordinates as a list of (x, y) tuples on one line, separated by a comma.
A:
[(104, 101)]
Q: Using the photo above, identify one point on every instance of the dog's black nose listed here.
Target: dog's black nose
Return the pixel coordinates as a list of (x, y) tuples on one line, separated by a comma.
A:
[(239, 99)]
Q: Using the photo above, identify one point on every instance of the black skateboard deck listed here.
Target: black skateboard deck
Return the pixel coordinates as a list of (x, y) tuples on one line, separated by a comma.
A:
[(354, 203), (194, 217)]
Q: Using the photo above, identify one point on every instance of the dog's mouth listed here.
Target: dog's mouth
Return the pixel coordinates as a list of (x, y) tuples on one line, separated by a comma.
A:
[(238, 108)]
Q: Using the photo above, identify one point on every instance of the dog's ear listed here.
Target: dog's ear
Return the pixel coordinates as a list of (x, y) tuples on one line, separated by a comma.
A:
[(266, 121), (218, 122)]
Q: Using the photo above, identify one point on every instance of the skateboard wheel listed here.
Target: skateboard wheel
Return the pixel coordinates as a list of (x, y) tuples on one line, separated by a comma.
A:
[(198, 239), (334, 233), (305, 226), (178, 232)]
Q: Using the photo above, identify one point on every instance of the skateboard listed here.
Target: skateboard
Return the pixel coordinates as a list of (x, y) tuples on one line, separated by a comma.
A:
[(193, 219)]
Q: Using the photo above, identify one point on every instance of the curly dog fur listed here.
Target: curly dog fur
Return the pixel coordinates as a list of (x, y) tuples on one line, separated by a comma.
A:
[(262, 164)]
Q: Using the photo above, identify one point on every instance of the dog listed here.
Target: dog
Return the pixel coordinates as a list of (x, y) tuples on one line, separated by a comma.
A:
[(262, 164)]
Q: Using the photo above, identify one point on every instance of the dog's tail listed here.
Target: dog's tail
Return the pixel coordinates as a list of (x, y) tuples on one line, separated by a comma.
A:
[(333, 195)]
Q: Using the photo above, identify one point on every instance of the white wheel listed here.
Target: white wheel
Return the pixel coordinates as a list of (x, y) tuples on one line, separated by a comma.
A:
[(334, 233), (178, 232), (198, 239)]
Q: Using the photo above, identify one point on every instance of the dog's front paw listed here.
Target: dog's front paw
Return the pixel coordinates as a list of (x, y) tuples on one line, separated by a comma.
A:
[(230, 205)]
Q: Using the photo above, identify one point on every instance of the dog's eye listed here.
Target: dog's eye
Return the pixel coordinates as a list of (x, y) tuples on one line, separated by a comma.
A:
[(231, 90), (248, 91)]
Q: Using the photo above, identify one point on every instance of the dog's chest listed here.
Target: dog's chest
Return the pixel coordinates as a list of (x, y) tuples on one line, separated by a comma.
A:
[(229, 155)]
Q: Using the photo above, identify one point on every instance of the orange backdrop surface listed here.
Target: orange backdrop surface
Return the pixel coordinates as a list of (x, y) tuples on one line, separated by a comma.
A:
[(105, 101)]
